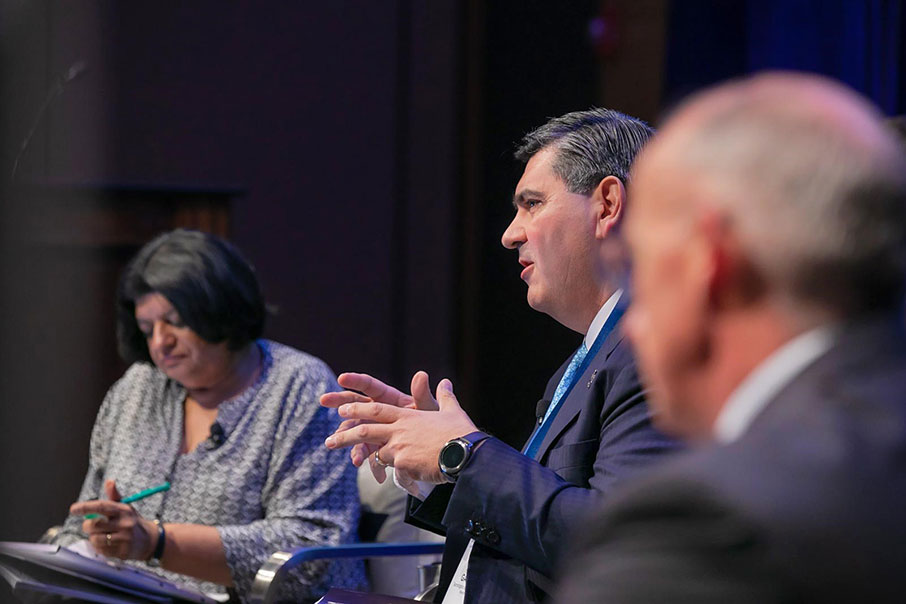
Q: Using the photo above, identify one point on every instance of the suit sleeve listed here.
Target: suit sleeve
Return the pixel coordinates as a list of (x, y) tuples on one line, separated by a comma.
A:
[(669, 542), (521, 508)]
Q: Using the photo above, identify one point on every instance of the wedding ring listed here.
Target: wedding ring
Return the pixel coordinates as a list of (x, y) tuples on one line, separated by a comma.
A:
[(379, 461), (109, 539)]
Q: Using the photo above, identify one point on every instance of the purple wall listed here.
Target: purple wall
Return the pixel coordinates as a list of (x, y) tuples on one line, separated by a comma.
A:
[(338, 120)]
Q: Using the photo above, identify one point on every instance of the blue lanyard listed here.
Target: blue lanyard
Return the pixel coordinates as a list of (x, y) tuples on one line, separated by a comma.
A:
[(534, 443)]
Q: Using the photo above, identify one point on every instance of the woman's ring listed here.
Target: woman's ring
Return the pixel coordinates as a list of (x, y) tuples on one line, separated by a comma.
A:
[(380, 462), (109, 539)]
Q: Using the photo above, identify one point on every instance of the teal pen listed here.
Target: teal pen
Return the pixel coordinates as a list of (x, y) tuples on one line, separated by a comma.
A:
[(139, 495)]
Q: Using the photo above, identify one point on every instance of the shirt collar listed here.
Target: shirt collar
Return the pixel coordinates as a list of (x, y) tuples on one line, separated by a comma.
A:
[(762, 384), (598, 322)]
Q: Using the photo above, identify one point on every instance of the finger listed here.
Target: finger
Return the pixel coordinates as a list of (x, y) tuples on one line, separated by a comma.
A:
[(335, 399), (371, 412), (421, 392), (360, 452), (377, 470), (348, 424), (376, 434), (445, 397), (88, 526), (374, 388), (110, 489), (111, 509), (106, 546), (102, 525)]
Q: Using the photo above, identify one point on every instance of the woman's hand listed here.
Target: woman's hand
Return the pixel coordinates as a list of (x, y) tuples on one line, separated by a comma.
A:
[(119, 531)]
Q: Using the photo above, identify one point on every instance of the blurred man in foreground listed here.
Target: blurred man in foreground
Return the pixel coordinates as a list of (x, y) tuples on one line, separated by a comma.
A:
[(767, 231)]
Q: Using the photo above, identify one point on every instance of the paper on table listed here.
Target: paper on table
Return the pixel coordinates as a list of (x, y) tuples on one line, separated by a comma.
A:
[(83, 547), (110, 573)]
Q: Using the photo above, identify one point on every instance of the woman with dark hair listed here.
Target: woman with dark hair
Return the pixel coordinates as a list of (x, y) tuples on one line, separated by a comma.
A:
[(231, 421)]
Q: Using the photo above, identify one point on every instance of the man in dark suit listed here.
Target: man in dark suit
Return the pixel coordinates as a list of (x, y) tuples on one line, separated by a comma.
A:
[(505, 512), (768, 239)]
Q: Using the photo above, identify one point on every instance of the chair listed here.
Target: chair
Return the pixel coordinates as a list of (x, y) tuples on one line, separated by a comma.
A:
[(383, 534), (272, 573)]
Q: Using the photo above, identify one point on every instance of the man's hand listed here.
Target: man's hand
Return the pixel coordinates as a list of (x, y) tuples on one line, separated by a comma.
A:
[(408, 436), (370, 390)]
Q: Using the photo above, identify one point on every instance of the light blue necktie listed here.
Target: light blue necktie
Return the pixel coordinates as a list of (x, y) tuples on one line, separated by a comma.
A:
[(575, 369), (569, 377)]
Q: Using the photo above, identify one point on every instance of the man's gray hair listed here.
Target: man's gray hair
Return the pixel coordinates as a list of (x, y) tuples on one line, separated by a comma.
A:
[(589, 145), (817, 191)]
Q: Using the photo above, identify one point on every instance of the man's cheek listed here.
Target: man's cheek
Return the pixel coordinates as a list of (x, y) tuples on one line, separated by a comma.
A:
[(638, 329)]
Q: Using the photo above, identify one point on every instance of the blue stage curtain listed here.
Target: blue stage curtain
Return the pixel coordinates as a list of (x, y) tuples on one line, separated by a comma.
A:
[(859, 42)]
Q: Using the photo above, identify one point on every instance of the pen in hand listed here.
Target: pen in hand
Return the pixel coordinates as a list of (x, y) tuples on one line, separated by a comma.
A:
[(139, 495)]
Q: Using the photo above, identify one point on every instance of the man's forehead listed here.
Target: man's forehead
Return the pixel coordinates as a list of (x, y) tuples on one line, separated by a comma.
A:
[(538, 171), (540, 165)]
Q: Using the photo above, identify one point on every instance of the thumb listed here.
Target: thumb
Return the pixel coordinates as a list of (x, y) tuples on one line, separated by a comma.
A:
[(445, 397), (421, 392), (110, 488)]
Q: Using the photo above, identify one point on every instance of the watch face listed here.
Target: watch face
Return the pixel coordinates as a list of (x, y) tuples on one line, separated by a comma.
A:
[(452, 455)]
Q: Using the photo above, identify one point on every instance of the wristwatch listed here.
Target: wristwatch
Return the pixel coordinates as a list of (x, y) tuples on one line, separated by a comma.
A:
[(456, 453)]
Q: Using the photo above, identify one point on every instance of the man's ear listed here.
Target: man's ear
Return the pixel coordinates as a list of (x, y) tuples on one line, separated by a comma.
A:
[(733, 281), (609, 201)]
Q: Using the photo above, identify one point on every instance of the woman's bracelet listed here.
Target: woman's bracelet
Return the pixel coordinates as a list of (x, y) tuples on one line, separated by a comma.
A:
[(154, 560)]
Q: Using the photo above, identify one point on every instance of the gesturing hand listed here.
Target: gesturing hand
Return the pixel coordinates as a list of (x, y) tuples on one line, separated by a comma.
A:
[(120, 531), (409, 437), (373, 390)]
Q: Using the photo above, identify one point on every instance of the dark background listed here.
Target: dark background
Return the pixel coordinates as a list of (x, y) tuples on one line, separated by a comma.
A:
[(366, 150)]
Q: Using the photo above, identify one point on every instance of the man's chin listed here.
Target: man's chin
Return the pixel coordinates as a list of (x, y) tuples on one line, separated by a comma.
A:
[(535, 300)]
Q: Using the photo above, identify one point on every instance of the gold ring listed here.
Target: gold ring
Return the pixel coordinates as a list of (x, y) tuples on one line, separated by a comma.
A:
[(109, 539), (380, 462)]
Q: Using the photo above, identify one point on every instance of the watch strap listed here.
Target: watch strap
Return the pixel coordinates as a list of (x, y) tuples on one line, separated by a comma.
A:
[(475, 437)]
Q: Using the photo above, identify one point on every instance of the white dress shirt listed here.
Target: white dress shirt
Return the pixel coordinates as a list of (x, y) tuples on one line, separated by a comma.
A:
[(457, 590), (760, 386)]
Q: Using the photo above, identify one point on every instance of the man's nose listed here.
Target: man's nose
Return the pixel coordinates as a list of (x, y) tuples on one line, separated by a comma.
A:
[(514, 235)]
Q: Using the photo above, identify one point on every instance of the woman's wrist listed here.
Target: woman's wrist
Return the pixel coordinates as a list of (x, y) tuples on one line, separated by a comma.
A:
[(157, 537)]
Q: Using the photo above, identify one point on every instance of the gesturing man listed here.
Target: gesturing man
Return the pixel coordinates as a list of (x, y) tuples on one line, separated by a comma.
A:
[(768, 238), (506, 513)]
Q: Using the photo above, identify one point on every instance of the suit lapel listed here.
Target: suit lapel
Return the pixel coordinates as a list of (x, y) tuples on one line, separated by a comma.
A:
[(581, 392)]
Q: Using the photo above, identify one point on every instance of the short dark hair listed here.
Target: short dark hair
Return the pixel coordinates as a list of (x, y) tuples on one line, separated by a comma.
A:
[(206, 279), (590, 145)]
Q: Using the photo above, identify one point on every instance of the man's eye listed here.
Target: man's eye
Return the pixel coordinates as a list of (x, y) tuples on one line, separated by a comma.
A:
[(532, 203)]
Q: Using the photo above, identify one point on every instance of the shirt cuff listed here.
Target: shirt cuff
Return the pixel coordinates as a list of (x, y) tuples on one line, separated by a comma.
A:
[(421, 489)]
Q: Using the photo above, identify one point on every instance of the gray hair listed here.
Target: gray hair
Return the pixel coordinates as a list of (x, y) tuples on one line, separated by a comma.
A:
[(590, 145), (817, 190)]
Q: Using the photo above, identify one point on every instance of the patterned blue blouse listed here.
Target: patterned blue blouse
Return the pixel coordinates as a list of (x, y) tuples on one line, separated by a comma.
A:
[(270, 485)]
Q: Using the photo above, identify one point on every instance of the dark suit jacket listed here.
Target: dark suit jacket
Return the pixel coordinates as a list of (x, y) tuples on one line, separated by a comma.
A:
[(809, 505), (518, 509)]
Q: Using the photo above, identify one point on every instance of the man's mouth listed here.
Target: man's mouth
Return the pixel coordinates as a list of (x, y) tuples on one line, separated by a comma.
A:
[(528, 266)]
